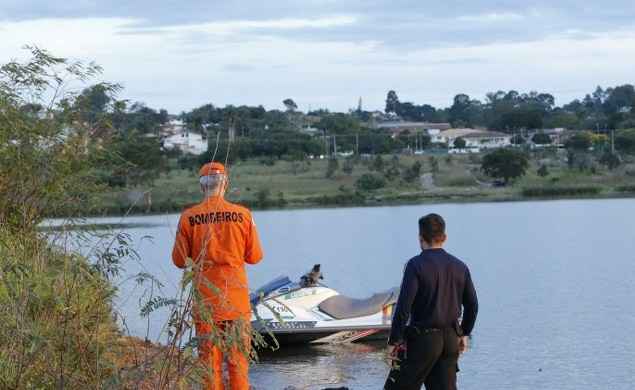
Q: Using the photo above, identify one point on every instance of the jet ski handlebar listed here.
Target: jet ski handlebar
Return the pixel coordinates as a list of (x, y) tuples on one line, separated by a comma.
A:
[(311, 278)]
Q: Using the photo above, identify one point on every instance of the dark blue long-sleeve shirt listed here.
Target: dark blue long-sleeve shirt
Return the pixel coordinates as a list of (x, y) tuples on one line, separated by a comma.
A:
[(435, 285)]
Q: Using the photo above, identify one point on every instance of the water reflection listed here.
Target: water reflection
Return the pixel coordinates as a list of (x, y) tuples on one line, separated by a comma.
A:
[(358, 366)]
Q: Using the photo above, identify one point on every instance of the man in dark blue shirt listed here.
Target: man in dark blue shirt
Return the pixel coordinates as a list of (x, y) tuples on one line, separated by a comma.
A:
[(426, 337)]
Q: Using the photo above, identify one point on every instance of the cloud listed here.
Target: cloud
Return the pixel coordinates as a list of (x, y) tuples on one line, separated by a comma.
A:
[(236, 26), (328, 53), (492, 17), (238, 68)]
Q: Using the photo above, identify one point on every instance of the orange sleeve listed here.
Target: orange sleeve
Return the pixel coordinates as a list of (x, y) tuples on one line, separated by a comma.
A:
[(182, 244), (253, 251)]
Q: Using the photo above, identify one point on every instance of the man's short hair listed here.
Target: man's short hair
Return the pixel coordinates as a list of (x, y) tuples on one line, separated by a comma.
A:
[(432, 228)]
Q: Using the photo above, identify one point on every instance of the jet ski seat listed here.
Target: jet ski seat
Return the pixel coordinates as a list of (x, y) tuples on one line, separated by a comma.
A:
[(342, 307)]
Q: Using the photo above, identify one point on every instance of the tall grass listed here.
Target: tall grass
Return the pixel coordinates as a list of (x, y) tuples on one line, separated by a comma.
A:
[(55, 309)]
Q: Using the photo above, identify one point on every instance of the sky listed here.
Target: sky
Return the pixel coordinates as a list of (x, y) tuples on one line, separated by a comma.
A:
[(326, 53)]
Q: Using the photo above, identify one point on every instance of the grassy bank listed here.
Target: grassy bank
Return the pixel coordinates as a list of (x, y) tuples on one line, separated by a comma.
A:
[(442, 178)]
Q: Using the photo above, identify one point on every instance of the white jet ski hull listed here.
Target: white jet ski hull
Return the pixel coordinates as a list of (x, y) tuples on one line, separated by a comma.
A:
[(296, 313)]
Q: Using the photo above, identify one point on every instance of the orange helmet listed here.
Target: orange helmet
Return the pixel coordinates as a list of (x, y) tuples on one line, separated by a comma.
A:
[(211, 168)]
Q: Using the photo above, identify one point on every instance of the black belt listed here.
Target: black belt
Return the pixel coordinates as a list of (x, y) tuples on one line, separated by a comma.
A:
[(422, 330)]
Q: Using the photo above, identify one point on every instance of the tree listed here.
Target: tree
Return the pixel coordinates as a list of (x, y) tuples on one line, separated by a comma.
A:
[(434, 164), (425, 141), (132, 159), (95, 101), (332, 167), (506, 164), (392, 102), (413, 172), (625, 141), (378, 163), (348, 166), (393, 170), (610, 160), (46, 161), (543, 171), (580, 141), (517, 140), (621, 98), (290, 105), (460, 110), (369, 182), (459, 143), (163, 117), (541, 139)]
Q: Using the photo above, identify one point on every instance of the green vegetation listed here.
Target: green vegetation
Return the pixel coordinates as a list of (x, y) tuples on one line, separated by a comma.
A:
[(55, 309), (625, 141), (506, 164), (541, 139), (581, 141), (459, 143), (419, 179), (59, 327), (369, 182), (543, 171), (511, 111), (626, 188)]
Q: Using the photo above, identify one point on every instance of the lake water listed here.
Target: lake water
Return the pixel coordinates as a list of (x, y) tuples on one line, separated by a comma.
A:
[(556, 284)]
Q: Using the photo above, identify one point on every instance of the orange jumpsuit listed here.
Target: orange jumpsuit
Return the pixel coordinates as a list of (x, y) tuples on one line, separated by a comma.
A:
[(223, 237)]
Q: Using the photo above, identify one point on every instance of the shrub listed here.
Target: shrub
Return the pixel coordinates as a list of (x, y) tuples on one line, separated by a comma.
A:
[(625, 188), (411, 174), (580, 141), (625, 141), (541, 139), (392, 173), (268, 161), (332, 167), (345, 197), (459, 143), (610, 160), (369, 182), (434, 164), (378, 164), (263, 198)]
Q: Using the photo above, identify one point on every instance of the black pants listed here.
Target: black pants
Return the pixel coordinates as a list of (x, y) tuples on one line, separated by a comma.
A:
[(431, 358)]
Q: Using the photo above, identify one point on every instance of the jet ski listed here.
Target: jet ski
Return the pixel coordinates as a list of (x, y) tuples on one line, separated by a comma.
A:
[(308, 311)]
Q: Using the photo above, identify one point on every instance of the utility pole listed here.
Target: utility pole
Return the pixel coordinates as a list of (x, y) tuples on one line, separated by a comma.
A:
[(334, 145), (357, 143), (612, 141), (326, 145)]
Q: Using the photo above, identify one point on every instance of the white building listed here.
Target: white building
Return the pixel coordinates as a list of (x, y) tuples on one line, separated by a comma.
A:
[(174, 126), (186, 142), (475, 139), (398, 127)]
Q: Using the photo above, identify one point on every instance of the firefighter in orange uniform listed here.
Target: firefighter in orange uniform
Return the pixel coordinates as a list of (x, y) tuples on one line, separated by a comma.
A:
[(219, 237)]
